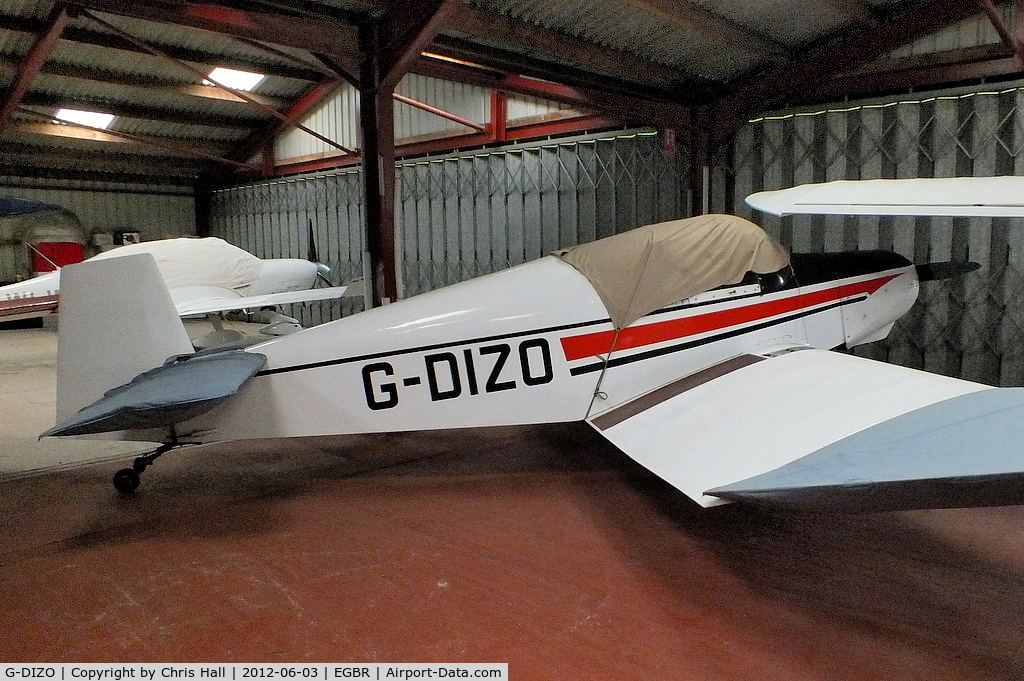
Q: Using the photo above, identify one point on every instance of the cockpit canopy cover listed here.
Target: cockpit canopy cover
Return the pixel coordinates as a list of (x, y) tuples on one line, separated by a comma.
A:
[(639, 271), (191, 262)]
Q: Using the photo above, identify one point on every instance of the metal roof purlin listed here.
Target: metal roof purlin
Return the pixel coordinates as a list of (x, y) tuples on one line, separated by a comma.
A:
[(615, 63), (700, 20), (84, 36), (33, 63), (138, 139), (237, 93)]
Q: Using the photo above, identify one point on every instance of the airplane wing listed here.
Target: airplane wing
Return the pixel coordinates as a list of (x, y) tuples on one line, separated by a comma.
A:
[(197, 300), (191, 300), (822, 429), (954, 196)]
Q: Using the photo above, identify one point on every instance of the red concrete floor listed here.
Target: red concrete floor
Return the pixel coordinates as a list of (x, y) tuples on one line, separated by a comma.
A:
[(540, 547)]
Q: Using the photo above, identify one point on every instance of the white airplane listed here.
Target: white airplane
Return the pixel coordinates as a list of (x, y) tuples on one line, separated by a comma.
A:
[(204, 276), (699, 347)]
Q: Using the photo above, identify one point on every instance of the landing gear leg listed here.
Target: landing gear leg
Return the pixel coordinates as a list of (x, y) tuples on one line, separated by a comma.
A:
[(127, 480)]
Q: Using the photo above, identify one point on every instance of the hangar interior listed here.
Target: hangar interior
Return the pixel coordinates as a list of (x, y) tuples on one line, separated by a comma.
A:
[(431, 141)]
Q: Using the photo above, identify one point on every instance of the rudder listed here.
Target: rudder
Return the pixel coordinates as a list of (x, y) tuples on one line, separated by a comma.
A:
[(116, 320)]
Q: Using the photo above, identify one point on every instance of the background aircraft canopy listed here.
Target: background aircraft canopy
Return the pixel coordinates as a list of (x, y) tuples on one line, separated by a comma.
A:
[(192, 262), (646, 268)]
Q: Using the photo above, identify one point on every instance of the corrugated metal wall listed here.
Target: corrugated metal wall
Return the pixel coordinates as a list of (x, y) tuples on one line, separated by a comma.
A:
[(102, 209), (337, 119), (272, 219), (467, 101), (111, 209), (464, 215), (971, 327)]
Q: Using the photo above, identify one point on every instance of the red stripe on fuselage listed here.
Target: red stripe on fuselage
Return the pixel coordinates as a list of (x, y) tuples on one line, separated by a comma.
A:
[(590, 344)]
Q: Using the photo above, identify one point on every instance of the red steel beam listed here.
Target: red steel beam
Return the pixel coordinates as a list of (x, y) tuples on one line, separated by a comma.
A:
[(408, 28), (33, 63), (660, 114), (498, 126), (995, 17), (311, 99), (322, 35), (377, 123), (438, 112), (913, 74), (388, 45), (520, 133)]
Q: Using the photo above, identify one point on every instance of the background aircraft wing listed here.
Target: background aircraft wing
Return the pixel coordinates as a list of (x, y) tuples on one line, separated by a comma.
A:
[(826, 430), (967, 196), (196, 300), (27, 308)]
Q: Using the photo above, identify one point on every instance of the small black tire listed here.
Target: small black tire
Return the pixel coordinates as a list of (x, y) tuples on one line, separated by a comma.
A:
[(126, 480)]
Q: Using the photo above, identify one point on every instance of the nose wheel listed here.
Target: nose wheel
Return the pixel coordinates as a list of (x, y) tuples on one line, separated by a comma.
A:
[(127, 480)]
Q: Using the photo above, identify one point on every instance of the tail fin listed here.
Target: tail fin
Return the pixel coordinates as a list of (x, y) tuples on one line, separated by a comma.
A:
[(116, 321)]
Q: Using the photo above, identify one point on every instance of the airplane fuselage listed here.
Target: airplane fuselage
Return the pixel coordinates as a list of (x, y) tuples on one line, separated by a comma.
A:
[(191, 267), (534, 344)]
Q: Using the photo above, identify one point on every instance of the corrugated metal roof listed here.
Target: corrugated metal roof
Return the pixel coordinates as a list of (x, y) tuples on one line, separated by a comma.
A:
[(974, 32), (790, 22), (647, 61)]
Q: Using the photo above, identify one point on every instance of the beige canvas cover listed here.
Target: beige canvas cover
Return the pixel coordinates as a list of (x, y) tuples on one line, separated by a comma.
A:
[(638, 271), (197, 262)]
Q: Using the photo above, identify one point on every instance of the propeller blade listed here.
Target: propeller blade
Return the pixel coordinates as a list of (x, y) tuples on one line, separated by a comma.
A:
[(323, 271), (311, 252), (934, 271)]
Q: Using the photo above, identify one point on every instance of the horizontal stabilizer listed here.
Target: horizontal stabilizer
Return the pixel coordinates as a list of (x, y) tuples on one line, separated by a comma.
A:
[(161, 397), (952, 196), (944, 454)]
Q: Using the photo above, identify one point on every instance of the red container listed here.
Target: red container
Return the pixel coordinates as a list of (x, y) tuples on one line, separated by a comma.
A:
[(48, 256)]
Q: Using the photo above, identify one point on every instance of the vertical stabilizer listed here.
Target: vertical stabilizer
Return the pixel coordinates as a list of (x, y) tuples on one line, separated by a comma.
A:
[(116, 321)]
